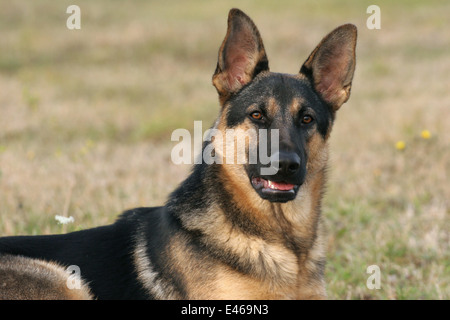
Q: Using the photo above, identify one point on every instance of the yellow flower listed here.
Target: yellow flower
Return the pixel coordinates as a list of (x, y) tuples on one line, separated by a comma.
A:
[(400, 145), (425, 134)]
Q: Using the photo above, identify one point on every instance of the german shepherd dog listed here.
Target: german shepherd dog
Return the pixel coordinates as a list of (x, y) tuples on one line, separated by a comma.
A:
[(228, 231)]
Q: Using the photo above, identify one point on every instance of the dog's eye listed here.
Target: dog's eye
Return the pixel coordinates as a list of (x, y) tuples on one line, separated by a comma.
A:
[(256, 115), (307, 119)]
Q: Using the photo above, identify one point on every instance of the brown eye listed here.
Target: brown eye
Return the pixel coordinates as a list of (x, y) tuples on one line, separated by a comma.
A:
[(307, 119), (256, 115)]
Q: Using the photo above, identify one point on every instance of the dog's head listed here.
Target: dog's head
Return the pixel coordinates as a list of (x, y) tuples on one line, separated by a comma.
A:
[(289, 116)]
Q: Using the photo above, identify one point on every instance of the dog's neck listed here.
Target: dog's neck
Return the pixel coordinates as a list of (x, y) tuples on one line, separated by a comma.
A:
[(222, 212)]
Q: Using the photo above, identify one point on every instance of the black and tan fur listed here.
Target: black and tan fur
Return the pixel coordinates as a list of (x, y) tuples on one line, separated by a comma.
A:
[(221, 234), (24, 278)]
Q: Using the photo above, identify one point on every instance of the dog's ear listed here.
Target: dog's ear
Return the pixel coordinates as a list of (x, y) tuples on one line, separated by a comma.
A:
[(241, 55), (331, 65)]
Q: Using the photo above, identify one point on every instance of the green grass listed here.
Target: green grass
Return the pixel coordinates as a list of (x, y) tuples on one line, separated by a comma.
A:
[(86, 118)]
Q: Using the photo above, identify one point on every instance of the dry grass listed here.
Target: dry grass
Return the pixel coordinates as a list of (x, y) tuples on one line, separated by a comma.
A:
[(86, 117)]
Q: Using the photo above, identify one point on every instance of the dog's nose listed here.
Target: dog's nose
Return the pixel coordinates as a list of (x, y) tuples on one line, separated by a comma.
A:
[(288, 163)]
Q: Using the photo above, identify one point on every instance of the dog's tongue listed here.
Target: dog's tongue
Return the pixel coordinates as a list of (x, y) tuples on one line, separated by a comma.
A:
[(279, 185), (267, 184)]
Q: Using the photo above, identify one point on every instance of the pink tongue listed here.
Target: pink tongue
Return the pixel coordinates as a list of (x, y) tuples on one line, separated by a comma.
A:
[(278, 185)]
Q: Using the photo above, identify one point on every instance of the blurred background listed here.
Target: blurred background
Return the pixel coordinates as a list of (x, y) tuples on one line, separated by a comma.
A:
[(86, 118)]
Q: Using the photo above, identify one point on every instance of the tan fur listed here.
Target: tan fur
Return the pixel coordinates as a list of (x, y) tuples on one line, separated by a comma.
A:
[(31, 279), (147, 275), (230, 284), (235, 177), (278, 273), (295, 106), (272, 107), (274, 277)]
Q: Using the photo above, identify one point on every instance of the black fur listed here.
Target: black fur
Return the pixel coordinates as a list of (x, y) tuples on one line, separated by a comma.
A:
[(103, 254), (283, 88)]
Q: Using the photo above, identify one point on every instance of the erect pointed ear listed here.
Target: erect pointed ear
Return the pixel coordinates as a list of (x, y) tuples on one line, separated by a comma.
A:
[(332, 64), (241, 55)]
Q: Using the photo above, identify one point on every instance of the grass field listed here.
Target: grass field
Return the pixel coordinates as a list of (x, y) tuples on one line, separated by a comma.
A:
[(86, 118)]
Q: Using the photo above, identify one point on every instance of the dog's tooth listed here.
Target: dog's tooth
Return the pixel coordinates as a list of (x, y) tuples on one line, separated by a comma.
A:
[(271, 185)]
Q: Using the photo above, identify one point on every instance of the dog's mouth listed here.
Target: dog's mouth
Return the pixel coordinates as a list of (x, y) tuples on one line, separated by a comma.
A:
[(272, 185), (274, 191)]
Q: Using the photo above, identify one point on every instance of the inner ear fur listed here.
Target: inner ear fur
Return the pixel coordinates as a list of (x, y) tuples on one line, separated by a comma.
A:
[(332, 64), (241, 56)]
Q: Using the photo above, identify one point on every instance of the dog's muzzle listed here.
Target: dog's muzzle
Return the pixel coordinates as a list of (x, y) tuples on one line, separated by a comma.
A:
[(281, 181)]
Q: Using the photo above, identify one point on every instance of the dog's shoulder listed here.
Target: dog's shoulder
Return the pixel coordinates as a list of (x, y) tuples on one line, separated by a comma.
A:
[(138, 214)]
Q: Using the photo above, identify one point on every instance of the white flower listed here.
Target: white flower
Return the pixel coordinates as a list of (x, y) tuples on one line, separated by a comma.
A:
[(64, 220)]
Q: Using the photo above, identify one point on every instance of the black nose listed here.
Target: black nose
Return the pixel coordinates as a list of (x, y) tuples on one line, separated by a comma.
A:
[(288, 163)]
